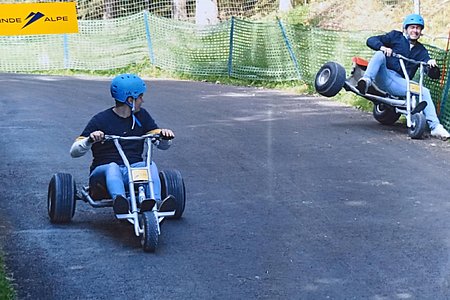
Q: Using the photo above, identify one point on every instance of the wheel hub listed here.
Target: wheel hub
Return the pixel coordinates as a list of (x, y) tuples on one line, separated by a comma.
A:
[(323, 77)]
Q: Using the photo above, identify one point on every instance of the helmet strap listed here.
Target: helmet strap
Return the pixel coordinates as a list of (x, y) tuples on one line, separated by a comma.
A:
[(132, 113), (133, 110)]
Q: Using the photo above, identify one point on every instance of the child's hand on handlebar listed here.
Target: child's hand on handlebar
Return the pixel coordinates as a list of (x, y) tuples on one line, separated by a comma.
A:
[(167, 133), (96, 136), (387, 51)]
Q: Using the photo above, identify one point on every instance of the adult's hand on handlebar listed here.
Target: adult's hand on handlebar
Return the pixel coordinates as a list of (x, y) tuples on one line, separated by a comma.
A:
[(96, 136), (387, 51), (432, 63)]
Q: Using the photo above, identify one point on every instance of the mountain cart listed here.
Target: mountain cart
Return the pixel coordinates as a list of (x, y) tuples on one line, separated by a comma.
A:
[(63, 194)]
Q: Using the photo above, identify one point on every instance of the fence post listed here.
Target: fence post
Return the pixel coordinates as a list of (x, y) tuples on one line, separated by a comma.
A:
[(445, 95), (230, 55), (66, 51), (149, 39), (443, 73), (289, 47)]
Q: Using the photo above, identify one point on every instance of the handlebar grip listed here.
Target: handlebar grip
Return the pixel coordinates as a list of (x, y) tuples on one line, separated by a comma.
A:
[(434, 72), (168, 138), (151, 136)]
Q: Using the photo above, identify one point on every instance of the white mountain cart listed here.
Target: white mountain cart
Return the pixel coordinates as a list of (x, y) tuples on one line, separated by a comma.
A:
[(63, 194), (387, 108)]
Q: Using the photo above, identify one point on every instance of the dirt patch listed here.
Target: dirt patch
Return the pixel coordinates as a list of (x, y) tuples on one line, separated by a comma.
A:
[(381, 15)]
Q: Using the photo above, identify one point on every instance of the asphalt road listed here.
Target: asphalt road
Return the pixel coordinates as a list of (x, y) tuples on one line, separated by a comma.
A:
[(288, 197)]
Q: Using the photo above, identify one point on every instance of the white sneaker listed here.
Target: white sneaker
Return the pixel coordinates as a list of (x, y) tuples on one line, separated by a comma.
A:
[(440, 132)]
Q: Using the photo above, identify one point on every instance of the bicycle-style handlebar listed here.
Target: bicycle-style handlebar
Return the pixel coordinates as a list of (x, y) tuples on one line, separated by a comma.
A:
[(109, 137), (432, 72), (417, 62)]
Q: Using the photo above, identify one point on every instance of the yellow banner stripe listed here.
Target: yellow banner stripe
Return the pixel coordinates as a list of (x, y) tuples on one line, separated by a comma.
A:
[(38, 18)]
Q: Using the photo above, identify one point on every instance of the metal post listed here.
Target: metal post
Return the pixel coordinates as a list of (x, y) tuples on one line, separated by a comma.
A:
[(445, 67), (230, 55), (445, 95), (289, 47), (408, 94), (149, 39), (66, 51)]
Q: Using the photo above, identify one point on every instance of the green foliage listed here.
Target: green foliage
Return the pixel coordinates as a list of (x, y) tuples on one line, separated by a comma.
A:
[(354, 100), (110, 9), (6, 290), (299, 15), (143, 69)]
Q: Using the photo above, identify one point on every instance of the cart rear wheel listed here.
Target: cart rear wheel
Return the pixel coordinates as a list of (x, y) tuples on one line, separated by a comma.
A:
[(149, 238), (61, 198), (330, 79), (418, 126), (385, 114), (172, 183)]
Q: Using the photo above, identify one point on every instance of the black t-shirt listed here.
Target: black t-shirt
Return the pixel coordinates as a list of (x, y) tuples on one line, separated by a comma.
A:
[(110, 123)]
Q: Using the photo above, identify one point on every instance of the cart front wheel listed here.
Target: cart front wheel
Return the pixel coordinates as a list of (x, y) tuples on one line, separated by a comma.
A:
[(149, 238), (418, 126), (61, 198)]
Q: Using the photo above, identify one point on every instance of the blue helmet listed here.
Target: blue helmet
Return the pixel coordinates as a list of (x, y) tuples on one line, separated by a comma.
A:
[(127, 85), (413, 19)]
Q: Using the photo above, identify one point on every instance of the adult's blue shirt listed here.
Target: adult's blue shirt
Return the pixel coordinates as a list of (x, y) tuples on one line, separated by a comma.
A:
[(400, 45)]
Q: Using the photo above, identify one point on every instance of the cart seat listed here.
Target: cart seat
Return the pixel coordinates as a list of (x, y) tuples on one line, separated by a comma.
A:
[(363, 63), (98, 192)]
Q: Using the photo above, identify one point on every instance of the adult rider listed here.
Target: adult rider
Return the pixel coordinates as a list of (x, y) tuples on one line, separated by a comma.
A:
[(384, 69)]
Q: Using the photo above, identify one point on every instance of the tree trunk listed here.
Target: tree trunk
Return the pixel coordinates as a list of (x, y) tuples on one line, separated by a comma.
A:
[(417, 6), (206, 12), (108, 11), (179, 10), (285, 5)]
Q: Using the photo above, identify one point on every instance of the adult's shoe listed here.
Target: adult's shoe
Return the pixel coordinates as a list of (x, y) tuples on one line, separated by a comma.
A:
[(363, 85), (440, 132)]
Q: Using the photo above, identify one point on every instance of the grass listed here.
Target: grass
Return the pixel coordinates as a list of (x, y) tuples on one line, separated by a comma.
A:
[(354, 100), (145, 69), (6, 290)]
